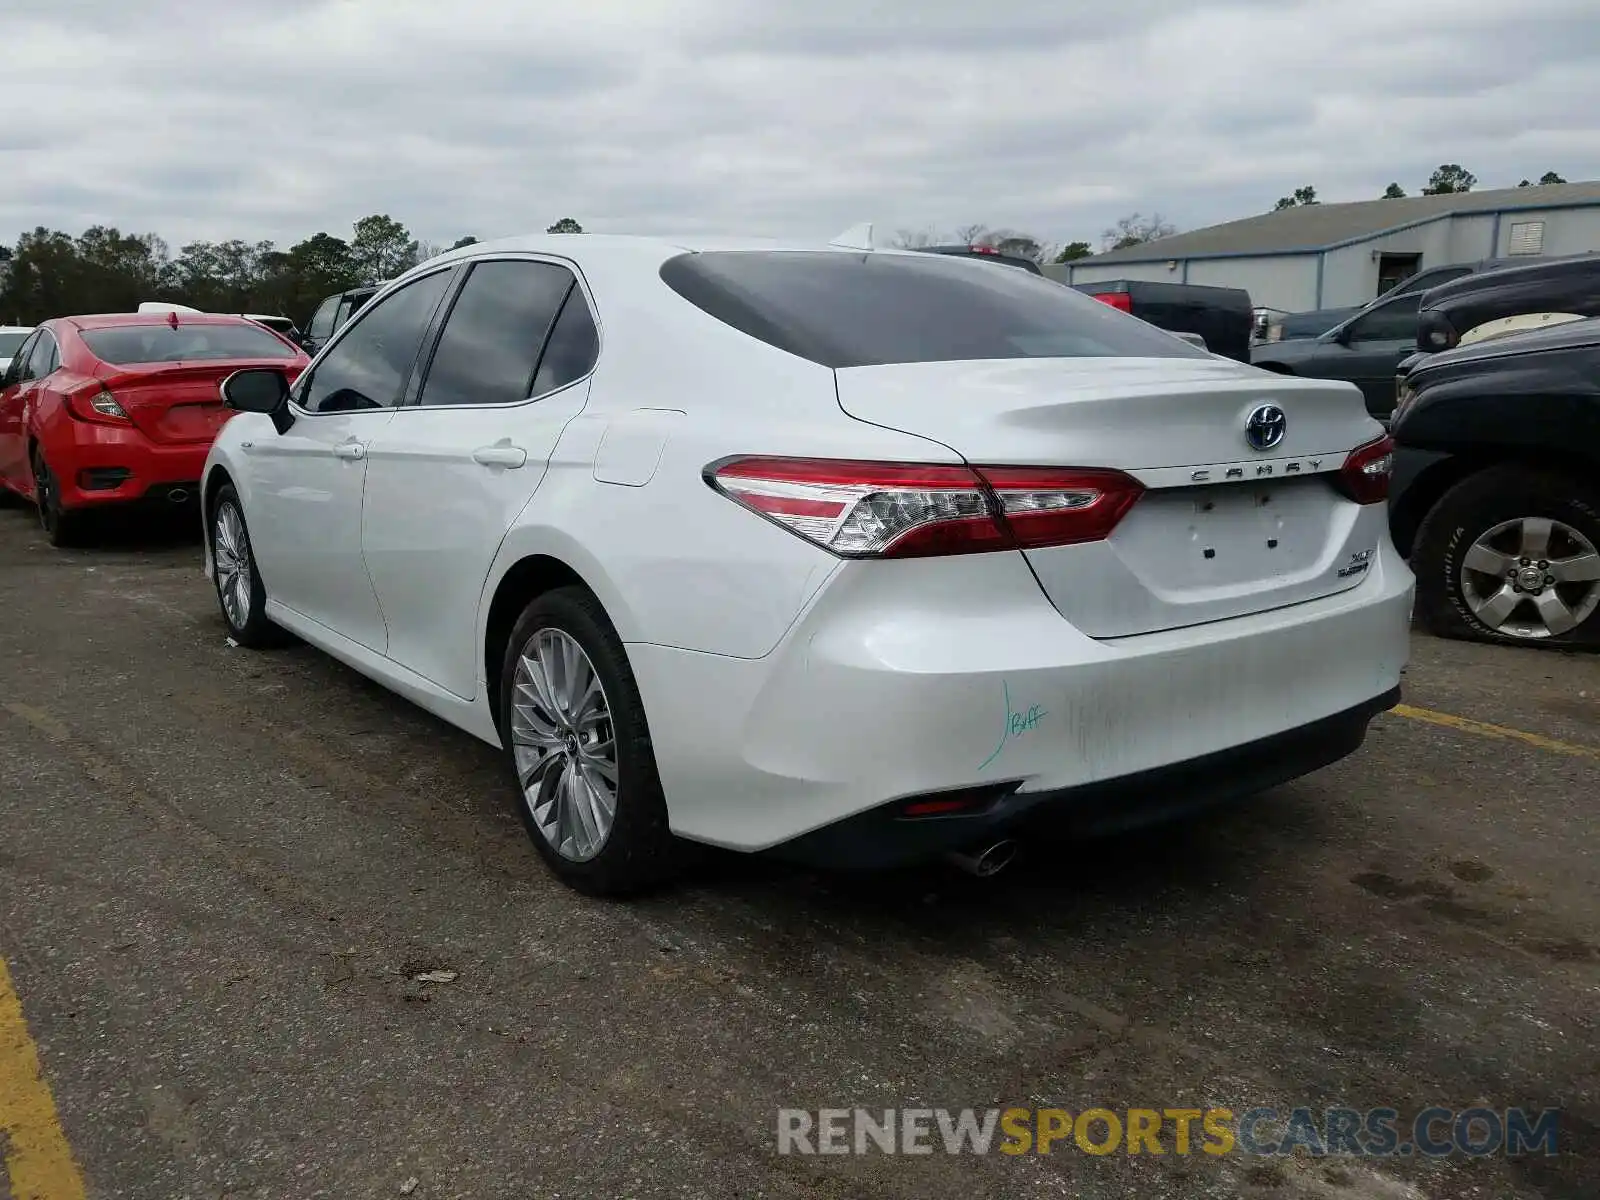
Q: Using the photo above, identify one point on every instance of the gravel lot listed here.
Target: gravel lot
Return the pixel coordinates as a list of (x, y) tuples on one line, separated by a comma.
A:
[(221, 872)]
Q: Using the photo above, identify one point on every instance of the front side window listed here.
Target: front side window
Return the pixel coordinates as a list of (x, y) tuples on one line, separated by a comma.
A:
[(127, 345), (1396, 320), (369, 365), (490, 346), (1431, 279), (321, 326), (843, 309)]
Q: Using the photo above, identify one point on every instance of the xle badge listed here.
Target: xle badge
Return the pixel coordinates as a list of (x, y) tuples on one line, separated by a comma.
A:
[(1359, 562)]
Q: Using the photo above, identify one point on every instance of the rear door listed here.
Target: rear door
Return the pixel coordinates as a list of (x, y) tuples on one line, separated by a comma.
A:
[(453, 469)]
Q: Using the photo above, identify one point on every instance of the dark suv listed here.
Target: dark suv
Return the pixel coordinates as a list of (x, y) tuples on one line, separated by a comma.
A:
[(1367, 347), (331, 315), (1546, 286)]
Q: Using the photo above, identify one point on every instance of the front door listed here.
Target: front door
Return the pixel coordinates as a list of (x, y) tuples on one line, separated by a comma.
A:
[(1374, 345), (307, 483), (14, 388), (448, 476)]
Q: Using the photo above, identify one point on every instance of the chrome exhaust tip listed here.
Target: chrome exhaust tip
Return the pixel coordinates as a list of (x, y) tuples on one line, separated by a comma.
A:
[(986, 862), (177, 496)]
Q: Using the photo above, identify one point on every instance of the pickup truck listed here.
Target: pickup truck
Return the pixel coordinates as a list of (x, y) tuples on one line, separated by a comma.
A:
[(1495, 491)]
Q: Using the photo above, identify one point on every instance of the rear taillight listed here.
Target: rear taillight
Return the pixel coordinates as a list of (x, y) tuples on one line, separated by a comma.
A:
[(1120, 301), (1365, 474), (906, 510), (100, 407)]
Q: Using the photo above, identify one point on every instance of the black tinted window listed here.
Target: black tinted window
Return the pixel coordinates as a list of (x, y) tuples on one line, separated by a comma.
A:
[(491, 339), (368, 366), (127, 344), (18, 370), (1396, 320), (1431, 279), (573, 347), (849, 310), (321, 325)]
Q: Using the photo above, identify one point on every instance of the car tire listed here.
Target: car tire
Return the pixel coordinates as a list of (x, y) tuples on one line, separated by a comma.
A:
[(241, 596), (62, 527), (555, 737), (1504, 511)]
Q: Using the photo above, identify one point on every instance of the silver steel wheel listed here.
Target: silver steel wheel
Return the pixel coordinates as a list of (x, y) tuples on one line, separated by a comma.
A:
[(1532, 577), (230, 550), (564, 745)]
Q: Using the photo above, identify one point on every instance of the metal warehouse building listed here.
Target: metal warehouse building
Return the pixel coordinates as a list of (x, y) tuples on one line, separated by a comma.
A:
[(1332, 255)]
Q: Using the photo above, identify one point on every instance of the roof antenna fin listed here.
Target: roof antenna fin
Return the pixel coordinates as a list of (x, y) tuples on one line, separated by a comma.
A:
[(857, 237)]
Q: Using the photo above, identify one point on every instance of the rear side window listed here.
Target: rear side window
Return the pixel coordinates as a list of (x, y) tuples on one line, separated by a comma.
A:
[(854, 310), (573, 347), (128, 345), (490, 346)]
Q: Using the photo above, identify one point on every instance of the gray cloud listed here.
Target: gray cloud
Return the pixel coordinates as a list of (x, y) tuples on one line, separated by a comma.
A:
[(498, 116)]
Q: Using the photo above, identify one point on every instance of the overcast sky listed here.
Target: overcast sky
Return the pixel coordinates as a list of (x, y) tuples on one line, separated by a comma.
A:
[(277, 118)]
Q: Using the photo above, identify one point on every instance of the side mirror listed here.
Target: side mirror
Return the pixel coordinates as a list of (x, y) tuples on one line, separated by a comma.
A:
[(259, 390), (1341, 334)]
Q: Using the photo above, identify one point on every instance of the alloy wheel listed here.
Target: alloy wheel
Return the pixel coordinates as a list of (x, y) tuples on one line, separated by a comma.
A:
[(1531, 577), (564, 745), (230, 550)]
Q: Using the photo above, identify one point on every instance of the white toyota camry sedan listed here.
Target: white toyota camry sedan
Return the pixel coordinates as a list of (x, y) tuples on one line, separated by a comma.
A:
[(851, 556)]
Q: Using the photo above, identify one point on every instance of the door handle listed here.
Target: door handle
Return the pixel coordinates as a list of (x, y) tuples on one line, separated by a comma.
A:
[(501, 454), (350, 450)]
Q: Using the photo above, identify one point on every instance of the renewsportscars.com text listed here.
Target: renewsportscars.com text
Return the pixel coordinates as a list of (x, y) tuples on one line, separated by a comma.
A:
[(1349, 1132)]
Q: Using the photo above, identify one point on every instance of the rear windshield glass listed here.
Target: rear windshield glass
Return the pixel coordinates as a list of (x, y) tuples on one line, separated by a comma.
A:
[(854, 310), (124, 345), (10, 343)]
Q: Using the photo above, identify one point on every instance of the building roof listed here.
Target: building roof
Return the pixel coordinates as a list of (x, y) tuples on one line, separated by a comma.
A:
[(1309, 228)]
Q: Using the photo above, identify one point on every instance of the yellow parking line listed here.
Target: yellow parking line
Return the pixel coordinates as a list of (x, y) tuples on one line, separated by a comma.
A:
[(1484, 729), (38, 1160)]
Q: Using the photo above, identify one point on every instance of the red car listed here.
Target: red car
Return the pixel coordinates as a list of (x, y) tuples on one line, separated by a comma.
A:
[(109, 410)]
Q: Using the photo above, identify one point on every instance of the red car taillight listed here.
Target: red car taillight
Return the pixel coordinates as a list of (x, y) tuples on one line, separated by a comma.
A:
[(98, 406), (909, 510), (1120, 301), (1366, 471)]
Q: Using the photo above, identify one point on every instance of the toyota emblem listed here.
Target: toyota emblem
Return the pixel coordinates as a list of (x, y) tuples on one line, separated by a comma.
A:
[(1265, 426)]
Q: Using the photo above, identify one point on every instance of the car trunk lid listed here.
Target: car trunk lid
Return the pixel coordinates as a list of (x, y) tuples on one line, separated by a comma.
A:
[(174, 403), (1222, 530)]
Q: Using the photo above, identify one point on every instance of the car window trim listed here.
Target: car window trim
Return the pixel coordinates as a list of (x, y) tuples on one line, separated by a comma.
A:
[(55, 355), (1378, 308), (21, 357), (580, 284), (302, 384)]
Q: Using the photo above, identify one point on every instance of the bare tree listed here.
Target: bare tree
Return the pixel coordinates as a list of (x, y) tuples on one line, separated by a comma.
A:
[(1135, 229), (914, 239)]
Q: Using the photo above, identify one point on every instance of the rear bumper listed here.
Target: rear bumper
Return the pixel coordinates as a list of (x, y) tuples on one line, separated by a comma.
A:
[(881, 838), (922, 676), (98, 465)]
